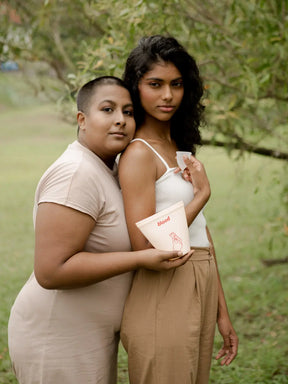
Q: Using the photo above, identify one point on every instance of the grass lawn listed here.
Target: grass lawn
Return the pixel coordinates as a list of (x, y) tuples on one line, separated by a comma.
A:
[(244, 214)]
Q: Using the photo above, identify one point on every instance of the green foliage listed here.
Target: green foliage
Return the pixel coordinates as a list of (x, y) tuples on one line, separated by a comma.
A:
[(126, 23), (241, 48), (49, 31)]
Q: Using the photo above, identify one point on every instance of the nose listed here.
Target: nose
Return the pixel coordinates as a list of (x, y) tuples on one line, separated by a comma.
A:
[(120, 120), (167, 93)]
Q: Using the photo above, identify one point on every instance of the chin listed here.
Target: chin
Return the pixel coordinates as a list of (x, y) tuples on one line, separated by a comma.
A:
[(165, 118), (118, 148)]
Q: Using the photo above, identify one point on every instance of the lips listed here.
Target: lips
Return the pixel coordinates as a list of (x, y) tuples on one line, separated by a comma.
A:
[(166, 108), (118, 134)]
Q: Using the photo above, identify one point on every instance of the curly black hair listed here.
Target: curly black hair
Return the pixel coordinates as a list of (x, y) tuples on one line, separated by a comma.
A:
[(188, 118)]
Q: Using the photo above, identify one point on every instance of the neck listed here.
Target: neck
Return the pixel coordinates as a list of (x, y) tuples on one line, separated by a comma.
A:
[(109, 160), (155, 130)]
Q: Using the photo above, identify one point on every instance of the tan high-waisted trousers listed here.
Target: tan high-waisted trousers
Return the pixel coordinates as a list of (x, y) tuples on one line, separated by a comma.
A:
[(169, 323)]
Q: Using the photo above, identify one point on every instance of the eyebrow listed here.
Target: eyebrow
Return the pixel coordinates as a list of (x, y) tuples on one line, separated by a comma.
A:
[(113, 103), (158, 79)]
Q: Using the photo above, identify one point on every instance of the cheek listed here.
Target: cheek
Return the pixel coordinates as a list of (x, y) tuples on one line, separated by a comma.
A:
[(146, 97)]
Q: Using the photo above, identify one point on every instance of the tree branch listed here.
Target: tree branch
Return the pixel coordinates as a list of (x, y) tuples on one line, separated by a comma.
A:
[(270, 262), (248, 148), (60, 47)]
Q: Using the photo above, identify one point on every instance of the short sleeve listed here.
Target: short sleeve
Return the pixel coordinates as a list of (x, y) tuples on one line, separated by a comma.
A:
[(73, 184)]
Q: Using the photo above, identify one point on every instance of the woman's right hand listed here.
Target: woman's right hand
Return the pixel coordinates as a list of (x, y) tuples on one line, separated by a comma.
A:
[(161, 260)]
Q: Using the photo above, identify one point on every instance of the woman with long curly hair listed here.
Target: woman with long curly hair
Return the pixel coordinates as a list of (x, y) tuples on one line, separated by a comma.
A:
[(170, 316)]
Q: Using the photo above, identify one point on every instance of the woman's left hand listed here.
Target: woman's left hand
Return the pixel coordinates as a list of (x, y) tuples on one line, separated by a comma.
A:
[(185, 172), (230, 341)]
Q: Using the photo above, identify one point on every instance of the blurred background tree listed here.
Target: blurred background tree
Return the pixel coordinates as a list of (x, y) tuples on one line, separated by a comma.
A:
[(241, 48)]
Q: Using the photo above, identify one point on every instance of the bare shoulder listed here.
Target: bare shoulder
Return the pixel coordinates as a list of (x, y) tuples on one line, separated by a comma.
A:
[(137, 164), (137, 153)]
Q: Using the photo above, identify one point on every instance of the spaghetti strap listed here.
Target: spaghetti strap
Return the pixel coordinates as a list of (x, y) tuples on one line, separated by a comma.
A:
[(154, 150)]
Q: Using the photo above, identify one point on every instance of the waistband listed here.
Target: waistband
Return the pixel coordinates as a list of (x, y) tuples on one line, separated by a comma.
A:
[(201, 253)]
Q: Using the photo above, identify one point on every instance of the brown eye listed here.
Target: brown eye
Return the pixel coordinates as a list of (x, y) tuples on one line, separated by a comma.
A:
[(129, 113), (107, 109), (177, 84)]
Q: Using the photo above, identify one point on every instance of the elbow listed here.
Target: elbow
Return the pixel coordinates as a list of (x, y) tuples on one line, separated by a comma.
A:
[(45, 283), (208, 194), (204, 194), (45, 280)]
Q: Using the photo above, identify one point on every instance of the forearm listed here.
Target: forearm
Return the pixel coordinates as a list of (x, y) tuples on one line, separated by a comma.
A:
[(222, 305), (84, 268), (194, 207)]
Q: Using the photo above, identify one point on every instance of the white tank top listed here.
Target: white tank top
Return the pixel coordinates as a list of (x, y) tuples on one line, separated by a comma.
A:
[(171, 188)]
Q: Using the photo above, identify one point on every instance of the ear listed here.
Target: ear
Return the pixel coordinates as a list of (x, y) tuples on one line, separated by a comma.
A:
[(81, 120)]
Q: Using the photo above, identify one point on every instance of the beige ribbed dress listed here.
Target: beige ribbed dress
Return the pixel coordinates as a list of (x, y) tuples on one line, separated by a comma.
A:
[(71, 336)]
